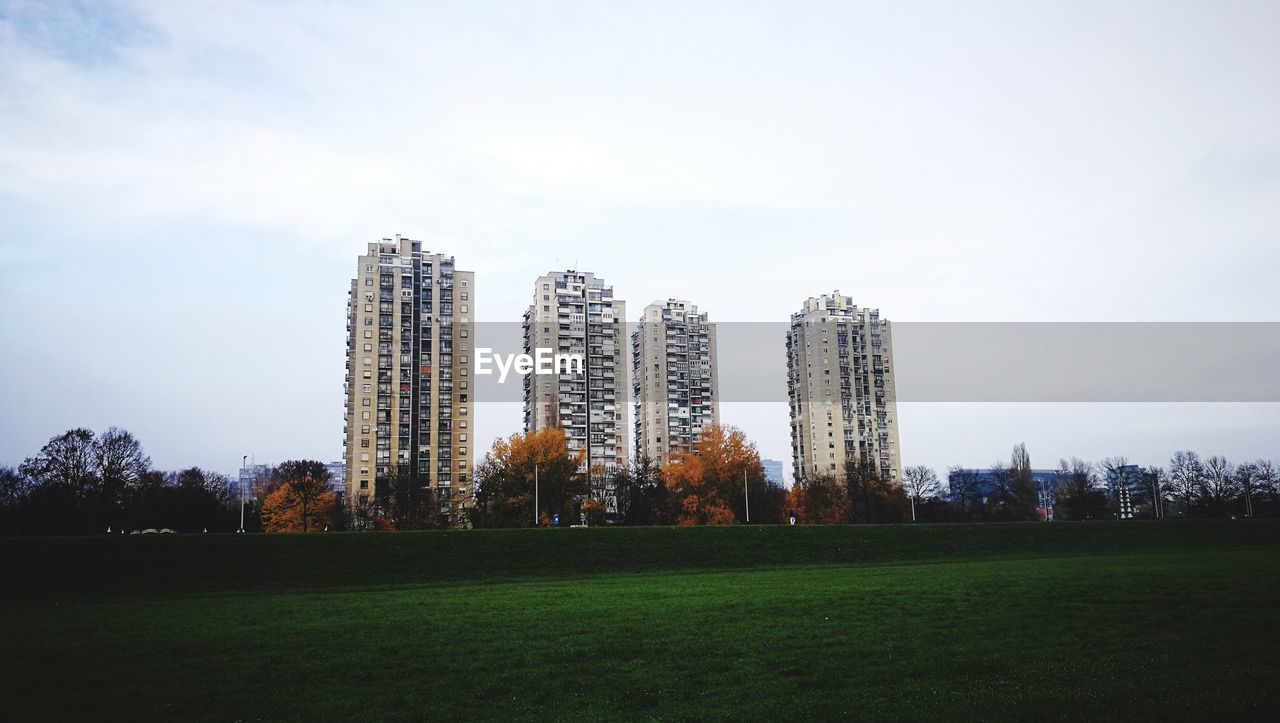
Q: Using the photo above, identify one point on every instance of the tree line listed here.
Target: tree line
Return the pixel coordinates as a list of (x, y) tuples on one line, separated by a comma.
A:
[(1188, 486), (86, 483), (80, 482), (533, 479)]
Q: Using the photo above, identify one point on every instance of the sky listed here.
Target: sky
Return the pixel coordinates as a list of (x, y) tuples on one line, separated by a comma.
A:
[(184, 188)]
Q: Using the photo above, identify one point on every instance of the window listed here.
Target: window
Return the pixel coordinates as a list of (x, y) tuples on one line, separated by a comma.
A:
[(364, 402), (462, 437), (368, 268), (368, 374), (464, 332), (368, 347), (368, 321), (463, 424), (368, 281), (368, 333), (464, 283), (366, 387), (364, 456), (364, 471), (462, 451), (368, 361), (364, 415), (463, 385), (364, 429), (364, 484), (364, 443), (463, 296)]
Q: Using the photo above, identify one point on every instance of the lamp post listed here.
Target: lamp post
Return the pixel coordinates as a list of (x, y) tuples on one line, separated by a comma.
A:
[(745, 495), (535, 494), (242, 462)]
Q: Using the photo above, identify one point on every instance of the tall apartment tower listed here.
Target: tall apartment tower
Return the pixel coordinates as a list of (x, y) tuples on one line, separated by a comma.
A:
[(840, 384), (409, 314), (575, 313), (674, 381)]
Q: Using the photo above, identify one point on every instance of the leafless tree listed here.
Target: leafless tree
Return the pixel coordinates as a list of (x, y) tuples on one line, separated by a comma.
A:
[(1077, 490), (1267, 479), (964, 486), (121, 463), (67, 465), (1186, 477), (920, 483), (1246, 478), (1219, 484)]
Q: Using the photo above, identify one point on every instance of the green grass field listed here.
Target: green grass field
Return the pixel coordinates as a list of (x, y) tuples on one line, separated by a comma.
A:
[(993, 621)]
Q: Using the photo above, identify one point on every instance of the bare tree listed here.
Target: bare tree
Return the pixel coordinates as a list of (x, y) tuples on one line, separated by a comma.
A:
[(1002, 476), (67, 466), (1186, 477), (920, 483), (1219, 484), (964, 486), (1118, 475), (120, 457), (1077, 490), (121, 463), (1266, 479), (1246, 475)]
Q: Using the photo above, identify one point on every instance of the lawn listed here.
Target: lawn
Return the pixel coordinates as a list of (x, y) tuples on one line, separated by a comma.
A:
[(994, 621)]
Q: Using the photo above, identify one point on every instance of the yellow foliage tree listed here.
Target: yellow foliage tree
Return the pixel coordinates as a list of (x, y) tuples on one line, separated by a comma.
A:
[(505, 480), (705, 486)]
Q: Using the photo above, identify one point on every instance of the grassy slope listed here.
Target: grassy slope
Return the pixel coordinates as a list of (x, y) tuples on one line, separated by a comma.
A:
[(994, 621)]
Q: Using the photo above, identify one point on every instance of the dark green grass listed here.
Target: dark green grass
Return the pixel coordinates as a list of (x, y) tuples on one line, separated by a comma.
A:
[(1024, 621)]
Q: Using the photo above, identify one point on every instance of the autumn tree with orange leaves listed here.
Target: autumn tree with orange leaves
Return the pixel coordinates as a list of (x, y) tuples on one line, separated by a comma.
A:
[(706, 486), (821, 500), (505, 480), (299, 504)]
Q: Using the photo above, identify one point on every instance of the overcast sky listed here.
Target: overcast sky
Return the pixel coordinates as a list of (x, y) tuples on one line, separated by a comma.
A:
[(184, 188)]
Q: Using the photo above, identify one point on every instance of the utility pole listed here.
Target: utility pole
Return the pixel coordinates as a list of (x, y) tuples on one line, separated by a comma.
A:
[(242, 461)]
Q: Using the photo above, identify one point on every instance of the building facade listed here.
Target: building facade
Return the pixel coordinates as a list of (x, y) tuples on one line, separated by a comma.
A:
[(576, 313), (840, 386), (409, 314), (674, 379), (773, 471)]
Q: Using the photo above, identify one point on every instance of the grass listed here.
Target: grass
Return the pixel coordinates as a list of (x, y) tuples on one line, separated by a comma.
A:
[(1101, 620)]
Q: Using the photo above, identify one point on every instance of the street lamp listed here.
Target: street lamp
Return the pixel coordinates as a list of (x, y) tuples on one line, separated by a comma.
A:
[(242, 463)]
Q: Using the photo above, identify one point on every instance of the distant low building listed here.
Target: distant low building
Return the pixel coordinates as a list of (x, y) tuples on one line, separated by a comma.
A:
[(984, 483), (773, 471)]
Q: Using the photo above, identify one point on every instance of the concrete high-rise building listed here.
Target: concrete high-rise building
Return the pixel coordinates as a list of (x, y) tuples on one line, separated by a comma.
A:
[(409, 314), (575, 313), (841, 387), (675, 390)]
